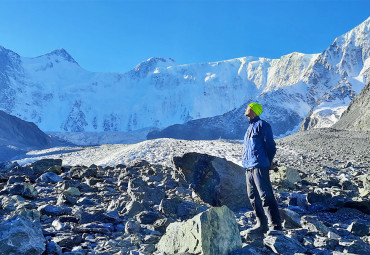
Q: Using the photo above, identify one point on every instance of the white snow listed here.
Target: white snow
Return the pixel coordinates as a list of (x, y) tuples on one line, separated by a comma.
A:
[(158, 151)]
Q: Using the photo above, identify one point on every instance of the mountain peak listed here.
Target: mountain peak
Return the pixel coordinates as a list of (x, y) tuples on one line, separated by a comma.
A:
[(62, 53), (151, 63)]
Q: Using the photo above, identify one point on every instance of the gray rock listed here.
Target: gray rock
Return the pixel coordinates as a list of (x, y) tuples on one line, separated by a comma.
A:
[(216, 180), (214, 231), (96, 216), (357, 247), (281, 244), (11, 203), (53, 249), (358, 228), (290, 218), (162, 224), (17, 179), (169, 205), (68, 241), (146, 217), (324, 242), (315, 197), (21, 236), (313, 225), (133, 208), (285, 177), (26, 190), (49, 177), (139, 191), (29, 214), (52, 210), (43, 165), (132, 227)]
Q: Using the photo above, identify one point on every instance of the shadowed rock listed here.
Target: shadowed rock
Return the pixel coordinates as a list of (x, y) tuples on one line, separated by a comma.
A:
[(216, 180)]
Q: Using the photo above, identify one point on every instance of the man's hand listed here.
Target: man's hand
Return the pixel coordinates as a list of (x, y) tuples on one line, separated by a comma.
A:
[(274, 166)]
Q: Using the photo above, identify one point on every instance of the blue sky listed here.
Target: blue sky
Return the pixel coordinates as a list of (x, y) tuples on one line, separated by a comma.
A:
[(112, 35)]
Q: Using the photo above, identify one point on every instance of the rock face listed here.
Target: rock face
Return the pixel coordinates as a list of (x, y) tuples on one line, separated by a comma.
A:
[(214, 231), (21, 236), (357, 115), (216, 180)]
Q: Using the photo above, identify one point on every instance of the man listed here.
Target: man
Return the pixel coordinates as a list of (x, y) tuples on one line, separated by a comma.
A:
[(258, 153)]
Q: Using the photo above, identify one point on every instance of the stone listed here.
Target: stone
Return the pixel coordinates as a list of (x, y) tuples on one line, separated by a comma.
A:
[(11, 203), (169, 205), (96, 216), (57, 169), (72, 191), (316, 197), (162, 224), (359, 229), (132, 227), (29, 214), (285, 177), (290, 219), (297, 199), (324, 242), (358, 247), (313, 225), (52, 210), (42, 166), (146, 217), (68, 241), (282, 244), (49, 177), (25, 190), (21, 236), (214, 231), (17, 179), (215, 180), (139, 191), (333, 235), (132, 208), (187, 209), (53, 249)]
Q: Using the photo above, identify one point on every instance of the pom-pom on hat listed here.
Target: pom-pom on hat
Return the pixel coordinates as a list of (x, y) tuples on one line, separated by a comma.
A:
[(257, 108)]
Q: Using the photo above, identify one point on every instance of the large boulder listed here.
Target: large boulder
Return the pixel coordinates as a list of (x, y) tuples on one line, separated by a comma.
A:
[(21, 236), (43, 165), (214, 231), (216, 180)]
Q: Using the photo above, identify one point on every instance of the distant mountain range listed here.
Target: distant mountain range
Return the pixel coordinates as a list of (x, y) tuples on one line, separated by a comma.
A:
[(203, 101)]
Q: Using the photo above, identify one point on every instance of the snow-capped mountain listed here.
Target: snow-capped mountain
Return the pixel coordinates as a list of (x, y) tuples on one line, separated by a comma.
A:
[(315, 88), (57, 94)]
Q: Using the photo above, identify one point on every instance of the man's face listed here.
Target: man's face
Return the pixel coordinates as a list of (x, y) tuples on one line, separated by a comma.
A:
[(249, 113)]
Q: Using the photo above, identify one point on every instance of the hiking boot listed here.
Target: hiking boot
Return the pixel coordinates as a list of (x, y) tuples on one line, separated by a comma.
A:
[(255, 232), (274, 231)]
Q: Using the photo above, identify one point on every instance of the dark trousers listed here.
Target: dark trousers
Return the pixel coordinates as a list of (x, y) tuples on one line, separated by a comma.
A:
[(261, 196)]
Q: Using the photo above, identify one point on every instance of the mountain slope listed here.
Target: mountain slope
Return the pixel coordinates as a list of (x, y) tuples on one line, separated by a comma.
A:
[(18, 136), (357, 115)]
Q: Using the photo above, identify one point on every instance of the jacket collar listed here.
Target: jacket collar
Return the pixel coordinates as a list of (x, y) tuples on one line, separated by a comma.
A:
[(255, 119)]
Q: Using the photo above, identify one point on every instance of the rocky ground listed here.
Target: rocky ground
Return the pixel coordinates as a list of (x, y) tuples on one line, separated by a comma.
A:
[(322, 186)]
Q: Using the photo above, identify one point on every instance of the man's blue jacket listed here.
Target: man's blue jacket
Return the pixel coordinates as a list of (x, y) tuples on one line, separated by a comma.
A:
[(259, 145)]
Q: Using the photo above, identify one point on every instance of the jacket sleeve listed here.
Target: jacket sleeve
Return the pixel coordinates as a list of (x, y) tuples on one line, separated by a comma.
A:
[(269, 141)]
